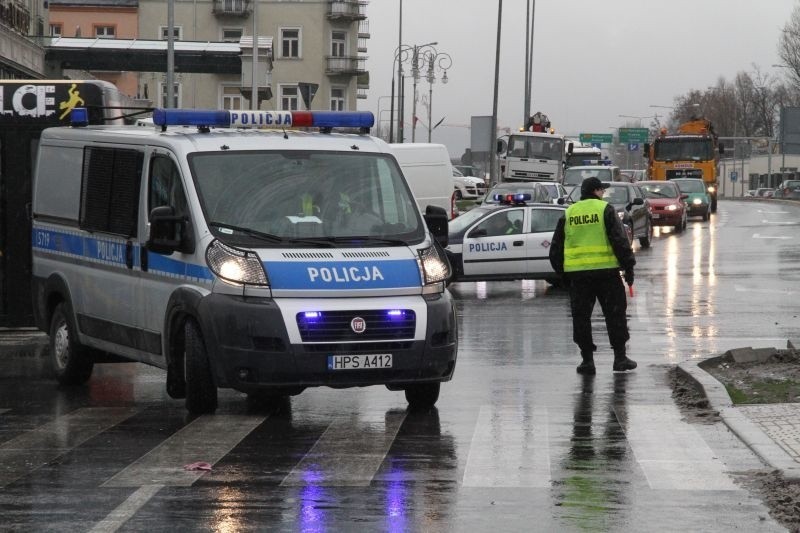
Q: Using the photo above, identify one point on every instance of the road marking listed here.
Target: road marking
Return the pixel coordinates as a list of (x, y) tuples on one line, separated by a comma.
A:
[(509, 448), (33, 449), (773, 212), (207, 438), (671, 453), (349, 452), (117, 518), (739, 288), (779, 223), (759, 236)]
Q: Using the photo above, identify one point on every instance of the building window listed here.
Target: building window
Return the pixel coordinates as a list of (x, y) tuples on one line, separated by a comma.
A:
[(233, 6), (231, 98), (105, 32), (290, 43), (289, 98), (177, 32), (56, 30), (163, 98), (338, 43), (337, 99), (231, 35)]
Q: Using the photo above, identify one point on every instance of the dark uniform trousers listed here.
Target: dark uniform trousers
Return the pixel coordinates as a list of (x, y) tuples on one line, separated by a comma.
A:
[(610, 292)]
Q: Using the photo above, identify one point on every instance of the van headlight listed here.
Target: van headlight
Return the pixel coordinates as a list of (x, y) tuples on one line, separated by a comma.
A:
[(711, 188), (235, 266), (435, 269)]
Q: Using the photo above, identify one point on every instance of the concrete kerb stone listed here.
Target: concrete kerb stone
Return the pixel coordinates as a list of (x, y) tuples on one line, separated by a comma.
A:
[(747, 431)]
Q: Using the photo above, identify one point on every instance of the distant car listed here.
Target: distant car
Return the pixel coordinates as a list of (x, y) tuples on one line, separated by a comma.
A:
[(574, 176), (505, 241), (635, 175), (788, 189), (467, 187), (667, 206), (632, 209), (699, 202), (555, 190), (469, 170), (762, 192), (750, 193), (537, 190)]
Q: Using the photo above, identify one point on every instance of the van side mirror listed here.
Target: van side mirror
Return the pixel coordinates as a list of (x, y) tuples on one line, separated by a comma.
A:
[(168, 232), (570, 147), (502, 146), (438, 224), (646, 151)]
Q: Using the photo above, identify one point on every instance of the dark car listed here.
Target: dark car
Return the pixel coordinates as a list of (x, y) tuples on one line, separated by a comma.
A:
[(505, 241), (537, 191), (631, 206), (667, 206), (698, 202), (788, 189)]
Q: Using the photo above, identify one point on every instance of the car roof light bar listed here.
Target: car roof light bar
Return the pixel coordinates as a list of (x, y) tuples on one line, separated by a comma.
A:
[(221, 118)]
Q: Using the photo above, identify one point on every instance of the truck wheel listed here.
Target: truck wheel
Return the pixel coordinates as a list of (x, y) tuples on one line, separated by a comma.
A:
[(648, 236), (70, 360), (201, 393), (423, 395)]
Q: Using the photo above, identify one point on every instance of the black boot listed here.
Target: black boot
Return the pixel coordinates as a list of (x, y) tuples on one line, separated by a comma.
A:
[(587, 365), (621, 361)]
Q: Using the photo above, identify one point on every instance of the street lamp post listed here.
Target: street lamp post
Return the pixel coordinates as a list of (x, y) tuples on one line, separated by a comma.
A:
[(402, 54), (441, 61)]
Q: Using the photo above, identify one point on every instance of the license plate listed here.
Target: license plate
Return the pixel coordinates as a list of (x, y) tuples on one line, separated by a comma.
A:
[(359, 361), (656, 215)]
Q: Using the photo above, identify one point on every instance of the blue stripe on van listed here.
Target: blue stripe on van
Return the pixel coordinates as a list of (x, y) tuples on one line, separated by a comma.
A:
[(338, 275)]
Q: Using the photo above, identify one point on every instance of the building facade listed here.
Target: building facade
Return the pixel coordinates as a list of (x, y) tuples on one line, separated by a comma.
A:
[(21, 55), (319, 42)]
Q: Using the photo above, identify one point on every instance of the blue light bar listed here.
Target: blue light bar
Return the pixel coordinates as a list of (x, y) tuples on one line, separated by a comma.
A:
[(263, 119), (79, 116)]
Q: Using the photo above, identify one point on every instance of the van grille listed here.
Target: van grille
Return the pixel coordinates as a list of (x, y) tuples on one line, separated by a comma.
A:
[(336, 326)]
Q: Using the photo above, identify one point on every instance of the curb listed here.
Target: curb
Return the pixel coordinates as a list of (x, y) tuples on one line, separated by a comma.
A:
[(748, 432)]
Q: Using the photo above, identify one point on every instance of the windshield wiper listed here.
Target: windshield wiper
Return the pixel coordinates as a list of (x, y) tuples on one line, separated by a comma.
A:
[(359, 239), (247, 231)]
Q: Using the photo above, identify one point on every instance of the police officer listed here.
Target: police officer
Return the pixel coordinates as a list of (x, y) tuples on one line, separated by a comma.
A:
[(589, 249)]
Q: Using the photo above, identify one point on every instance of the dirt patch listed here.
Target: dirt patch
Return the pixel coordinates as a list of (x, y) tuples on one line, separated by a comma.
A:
[(775, 380), (691, 401), (782, 497)]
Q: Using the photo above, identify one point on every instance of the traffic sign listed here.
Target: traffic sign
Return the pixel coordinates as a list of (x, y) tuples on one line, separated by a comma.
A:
[(596, 138), (633, 147), (634, 135), (734, 175)]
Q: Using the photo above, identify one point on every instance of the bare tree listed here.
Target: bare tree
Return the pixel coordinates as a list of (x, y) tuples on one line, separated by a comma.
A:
[(789, 47)]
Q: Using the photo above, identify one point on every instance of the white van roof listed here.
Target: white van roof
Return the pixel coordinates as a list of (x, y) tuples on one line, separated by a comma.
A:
[(420, 153)]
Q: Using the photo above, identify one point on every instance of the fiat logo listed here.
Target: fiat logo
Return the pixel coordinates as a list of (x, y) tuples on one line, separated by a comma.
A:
[(358, 325)]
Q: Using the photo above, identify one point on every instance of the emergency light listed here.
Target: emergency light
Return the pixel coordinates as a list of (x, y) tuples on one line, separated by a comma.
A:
[(262, 119), (519, 198)]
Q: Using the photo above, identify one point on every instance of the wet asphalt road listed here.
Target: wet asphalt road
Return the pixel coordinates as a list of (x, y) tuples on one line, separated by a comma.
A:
[(518, 442)]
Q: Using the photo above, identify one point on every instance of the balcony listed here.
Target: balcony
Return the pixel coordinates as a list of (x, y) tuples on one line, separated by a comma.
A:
[(345, 65), (232, 8), (347, 10), (362, 85), (363, 35), (16, 15)]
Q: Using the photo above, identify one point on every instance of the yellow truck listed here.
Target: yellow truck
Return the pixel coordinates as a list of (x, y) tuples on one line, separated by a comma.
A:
[(692, 152)]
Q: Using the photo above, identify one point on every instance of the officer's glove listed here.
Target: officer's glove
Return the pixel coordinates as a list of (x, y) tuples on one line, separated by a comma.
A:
[(629, 276)]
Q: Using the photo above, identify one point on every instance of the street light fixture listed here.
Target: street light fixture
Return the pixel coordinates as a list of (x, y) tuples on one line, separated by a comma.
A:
[(402, 54), (435, 60)]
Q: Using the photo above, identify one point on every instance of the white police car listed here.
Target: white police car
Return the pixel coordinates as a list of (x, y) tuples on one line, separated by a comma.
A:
[(265, 261), (504, 242)]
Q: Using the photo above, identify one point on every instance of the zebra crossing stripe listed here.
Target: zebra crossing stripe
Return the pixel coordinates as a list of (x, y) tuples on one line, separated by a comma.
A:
[(207, 438), (33, 449), (510, 448), (349, 452), (117, 518)]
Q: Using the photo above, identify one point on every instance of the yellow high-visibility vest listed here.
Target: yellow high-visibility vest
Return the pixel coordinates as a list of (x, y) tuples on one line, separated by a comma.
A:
[(586, 245)]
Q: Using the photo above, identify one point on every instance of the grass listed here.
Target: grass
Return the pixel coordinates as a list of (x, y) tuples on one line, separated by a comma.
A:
[(768, 391)]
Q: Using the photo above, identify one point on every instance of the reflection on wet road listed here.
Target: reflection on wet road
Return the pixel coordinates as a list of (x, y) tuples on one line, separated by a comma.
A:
[(518, 441)]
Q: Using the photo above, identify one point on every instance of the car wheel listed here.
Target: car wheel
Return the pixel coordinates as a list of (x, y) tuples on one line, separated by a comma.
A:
[(458, 194), (70, 360), (706, 216), (648, 237), (423, 395), (201, 392)]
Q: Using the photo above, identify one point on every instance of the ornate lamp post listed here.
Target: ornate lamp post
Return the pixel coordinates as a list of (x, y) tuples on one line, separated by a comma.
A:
[(440, 61), (404, 54)]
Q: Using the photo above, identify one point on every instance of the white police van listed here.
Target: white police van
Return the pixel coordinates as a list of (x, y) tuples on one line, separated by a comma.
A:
[(266, 261)]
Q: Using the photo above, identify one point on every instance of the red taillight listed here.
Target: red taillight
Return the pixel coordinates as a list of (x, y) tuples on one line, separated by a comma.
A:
[(453, 211)]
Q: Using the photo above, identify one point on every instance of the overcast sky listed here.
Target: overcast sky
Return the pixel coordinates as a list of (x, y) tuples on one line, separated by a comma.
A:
[(592, 61)]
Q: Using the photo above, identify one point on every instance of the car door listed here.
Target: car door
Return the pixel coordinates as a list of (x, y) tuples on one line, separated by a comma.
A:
[(541, 224), (639, 213), (496, 245)]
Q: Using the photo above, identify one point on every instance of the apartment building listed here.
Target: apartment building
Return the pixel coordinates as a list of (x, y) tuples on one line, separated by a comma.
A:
[(321, 42), (21, 56)]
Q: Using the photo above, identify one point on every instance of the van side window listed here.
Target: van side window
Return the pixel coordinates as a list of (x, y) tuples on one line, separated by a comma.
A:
[(165, 186), (110, 190)]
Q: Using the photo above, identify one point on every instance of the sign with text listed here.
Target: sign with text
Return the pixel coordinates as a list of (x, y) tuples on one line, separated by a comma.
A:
[(634, 135), (593, 138)]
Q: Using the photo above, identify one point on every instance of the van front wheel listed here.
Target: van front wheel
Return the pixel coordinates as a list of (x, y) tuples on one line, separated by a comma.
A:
[(423, 395), (70, 361), (201, 392)]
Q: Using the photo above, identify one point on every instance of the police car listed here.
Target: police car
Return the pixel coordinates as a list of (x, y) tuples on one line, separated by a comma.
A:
[(505, 241), (233, 255)]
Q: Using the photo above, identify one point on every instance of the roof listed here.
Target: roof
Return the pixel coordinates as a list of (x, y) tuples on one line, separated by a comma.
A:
[(94, 3)]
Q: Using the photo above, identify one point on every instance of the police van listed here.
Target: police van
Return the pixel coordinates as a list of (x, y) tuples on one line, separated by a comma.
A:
[(234, 256)]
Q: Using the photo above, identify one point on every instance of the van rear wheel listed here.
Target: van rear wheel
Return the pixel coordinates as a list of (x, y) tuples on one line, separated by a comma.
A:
[(70, 360), (201, 392), (423, 395)]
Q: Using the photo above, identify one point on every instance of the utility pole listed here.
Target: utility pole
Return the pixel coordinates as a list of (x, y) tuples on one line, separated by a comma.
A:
[(493, 133), (170, 54)]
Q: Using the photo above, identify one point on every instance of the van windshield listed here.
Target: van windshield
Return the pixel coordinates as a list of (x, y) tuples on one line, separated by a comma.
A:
[(331, 197)]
